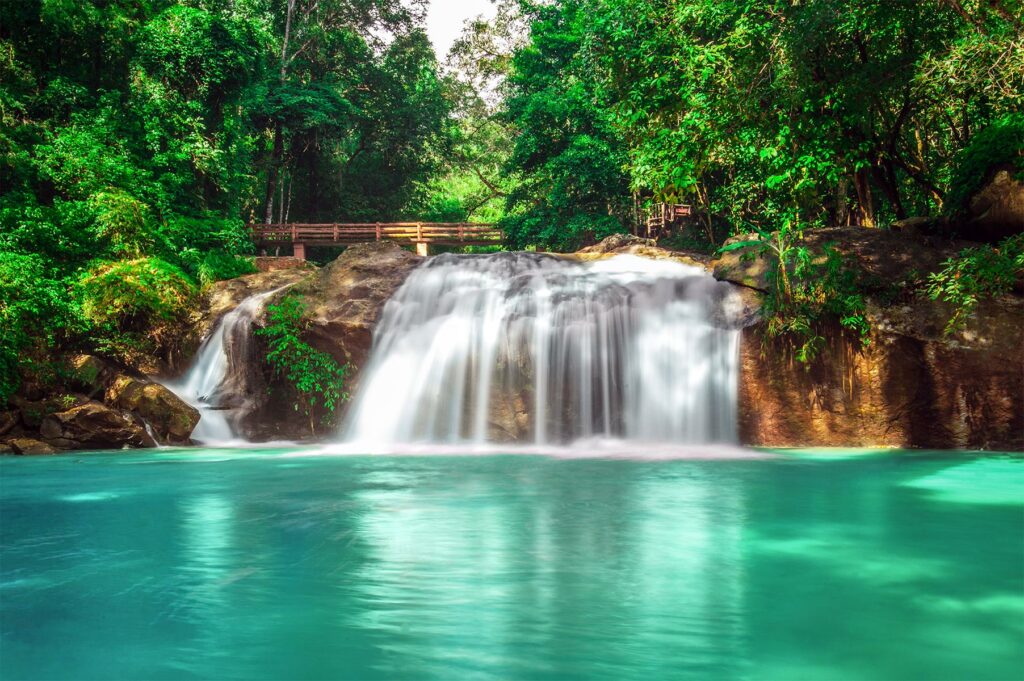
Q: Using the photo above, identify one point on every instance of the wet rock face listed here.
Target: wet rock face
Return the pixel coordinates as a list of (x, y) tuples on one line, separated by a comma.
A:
[(911, 387)]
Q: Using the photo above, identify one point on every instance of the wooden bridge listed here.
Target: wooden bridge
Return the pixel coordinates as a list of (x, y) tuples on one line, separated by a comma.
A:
[(422, 234)]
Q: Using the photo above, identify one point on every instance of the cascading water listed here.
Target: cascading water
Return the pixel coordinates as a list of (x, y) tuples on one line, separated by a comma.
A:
[(218, 384), (537, 349)]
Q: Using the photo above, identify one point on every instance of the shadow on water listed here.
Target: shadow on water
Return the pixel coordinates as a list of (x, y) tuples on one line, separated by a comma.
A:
[(505, 567)]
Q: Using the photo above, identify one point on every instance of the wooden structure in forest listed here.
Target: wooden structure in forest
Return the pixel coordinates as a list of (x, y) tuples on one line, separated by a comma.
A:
[(663, 216), (422, 234)]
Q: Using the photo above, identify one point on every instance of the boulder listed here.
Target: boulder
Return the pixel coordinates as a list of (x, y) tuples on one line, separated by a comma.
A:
[(618, 242), (93, 374), (345, 300), (26, 445), (171, 419), (995, 211), (33, 412), (95, 426)]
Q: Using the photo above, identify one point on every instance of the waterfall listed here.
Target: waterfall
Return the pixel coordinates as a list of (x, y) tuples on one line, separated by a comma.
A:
[(538, 349), (219, 382)]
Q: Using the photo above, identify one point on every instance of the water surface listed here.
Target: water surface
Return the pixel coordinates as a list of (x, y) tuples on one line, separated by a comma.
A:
[(207, 564)]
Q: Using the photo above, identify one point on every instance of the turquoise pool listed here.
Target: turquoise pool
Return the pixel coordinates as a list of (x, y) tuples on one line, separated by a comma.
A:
[(278, 564)]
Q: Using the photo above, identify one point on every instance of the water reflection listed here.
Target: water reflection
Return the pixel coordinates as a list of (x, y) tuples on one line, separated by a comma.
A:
[(512, 568)]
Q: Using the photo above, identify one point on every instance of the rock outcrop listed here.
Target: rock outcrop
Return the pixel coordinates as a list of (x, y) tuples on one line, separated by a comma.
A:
[(884, 258), (909, 388), (93, 425), (627, 244), (912, 386), (344, 301), (225, 296)]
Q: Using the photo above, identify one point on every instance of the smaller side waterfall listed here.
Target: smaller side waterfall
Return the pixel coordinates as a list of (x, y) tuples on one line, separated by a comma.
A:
[(219, 384)]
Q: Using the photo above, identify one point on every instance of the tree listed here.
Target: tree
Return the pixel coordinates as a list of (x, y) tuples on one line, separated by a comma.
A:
[(569, 159)]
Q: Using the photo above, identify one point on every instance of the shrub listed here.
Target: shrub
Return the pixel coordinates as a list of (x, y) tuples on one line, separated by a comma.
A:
[(807, 290), (135, 304), (977, 273), (444, 209), (315, 377), (217, 266), (123, 221)]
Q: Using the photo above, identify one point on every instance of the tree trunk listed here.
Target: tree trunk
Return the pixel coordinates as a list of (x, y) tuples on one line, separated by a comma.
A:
[(865, 202), (841, 216), (885, 175), (278, 148), (275, 160)]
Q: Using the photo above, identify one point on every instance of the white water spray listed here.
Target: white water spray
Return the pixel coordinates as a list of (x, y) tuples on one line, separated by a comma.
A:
[(536, 349)]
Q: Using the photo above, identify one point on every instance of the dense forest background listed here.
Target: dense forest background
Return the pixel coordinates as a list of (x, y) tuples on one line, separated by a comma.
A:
[(138, 137)]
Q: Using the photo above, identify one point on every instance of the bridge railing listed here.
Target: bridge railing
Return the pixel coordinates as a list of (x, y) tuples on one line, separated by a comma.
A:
[(350, 232)]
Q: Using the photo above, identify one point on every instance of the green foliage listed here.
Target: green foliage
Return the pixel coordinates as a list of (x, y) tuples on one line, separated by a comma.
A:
[(34, 315), (138, 138), (976, 274), (217, 266), (123, 221), (134, 305), (444, 209), (807, 291), (315, 377), (1000, 144), (568, 157), (759, 113)]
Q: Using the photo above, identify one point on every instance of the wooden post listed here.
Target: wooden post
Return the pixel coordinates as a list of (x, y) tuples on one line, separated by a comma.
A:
[(299, 251), (422, 247), (378, 231), (335, 231)]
